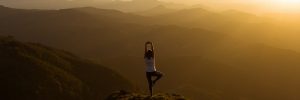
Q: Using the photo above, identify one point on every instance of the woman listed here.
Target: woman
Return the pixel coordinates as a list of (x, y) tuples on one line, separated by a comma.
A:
[(150, 66)]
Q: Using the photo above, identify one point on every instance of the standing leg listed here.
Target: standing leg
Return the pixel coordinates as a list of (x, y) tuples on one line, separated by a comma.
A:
[(148, 74)]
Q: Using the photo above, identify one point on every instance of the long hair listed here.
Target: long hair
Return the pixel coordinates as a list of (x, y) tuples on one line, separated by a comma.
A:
[(149, 54)]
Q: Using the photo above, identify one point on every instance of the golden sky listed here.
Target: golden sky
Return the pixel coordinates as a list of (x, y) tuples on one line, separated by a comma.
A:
[(258, 6), (250, 5)]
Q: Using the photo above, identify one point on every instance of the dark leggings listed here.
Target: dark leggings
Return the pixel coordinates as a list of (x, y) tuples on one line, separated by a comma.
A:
[(151, 82)]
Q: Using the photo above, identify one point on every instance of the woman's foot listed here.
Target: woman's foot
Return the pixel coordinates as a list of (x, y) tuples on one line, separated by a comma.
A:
[(153, 82)]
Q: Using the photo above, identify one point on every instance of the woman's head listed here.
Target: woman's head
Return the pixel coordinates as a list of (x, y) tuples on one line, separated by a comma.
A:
[(149, 54)]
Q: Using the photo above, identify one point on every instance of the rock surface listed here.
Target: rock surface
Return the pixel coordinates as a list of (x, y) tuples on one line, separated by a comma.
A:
[(125, 95)]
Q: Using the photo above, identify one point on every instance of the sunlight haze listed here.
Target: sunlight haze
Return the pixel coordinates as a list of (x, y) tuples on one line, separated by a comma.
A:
[(290, 6), (253, 6)]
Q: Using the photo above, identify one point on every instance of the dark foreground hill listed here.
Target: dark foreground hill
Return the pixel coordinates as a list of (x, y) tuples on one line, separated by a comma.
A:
[(35, 72), (124, 95)]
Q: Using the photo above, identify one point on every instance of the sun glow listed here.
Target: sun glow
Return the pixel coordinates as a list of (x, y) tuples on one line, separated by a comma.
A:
[(284, 5), (287, 3)]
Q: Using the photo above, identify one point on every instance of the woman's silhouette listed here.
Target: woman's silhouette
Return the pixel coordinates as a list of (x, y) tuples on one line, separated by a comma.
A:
[(150, 66)]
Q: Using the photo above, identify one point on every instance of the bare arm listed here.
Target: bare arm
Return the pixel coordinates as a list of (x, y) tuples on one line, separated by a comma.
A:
[(146, 44), (152, 47), (146, 47)]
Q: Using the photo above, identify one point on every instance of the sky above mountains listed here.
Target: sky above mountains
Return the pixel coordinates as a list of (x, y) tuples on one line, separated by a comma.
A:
[(257, 6)]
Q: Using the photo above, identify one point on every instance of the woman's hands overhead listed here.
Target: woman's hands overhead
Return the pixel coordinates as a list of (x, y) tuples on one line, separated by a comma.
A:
[(149, 42)]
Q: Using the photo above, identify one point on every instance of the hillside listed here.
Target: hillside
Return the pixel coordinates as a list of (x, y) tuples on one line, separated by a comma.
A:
[(32, 71), (158, 10), (203, 18)]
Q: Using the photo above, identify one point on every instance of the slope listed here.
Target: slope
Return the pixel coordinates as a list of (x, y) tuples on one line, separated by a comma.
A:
[(32, 71)]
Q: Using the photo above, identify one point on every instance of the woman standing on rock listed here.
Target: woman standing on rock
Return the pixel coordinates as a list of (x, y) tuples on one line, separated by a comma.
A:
[(150, 66)]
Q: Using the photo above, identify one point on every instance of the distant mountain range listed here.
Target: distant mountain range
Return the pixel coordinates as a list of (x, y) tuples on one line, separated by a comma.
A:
[(122, 5), (196, 48), (31, 71), (158, 10)]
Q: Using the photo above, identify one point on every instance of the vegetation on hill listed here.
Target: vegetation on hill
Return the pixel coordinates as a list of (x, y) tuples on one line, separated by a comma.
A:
[(125, 95), (31, 71)]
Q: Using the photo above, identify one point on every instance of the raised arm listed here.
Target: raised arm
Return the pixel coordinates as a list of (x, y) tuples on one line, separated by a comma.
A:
[(146, 44), (152, 47), (146, 47)]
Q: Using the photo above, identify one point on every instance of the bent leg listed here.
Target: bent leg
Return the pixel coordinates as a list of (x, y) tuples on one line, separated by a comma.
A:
[(158, 76)]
